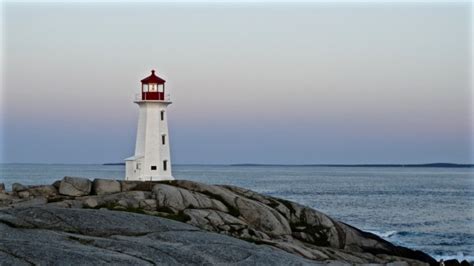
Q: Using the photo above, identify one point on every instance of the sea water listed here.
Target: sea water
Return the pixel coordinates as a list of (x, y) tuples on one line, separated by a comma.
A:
[(430, 209)]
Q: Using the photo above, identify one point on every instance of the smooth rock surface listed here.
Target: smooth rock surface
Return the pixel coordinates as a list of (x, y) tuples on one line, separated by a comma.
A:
[(52, 236)]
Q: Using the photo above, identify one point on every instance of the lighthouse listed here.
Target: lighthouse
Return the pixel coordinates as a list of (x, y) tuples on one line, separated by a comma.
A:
[(151, 161)]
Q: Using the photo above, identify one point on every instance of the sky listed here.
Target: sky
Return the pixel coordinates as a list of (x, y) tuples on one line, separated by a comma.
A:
[(260, 82)]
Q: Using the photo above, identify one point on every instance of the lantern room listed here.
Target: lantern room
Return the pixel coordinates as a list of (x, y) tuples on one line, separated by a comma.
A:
[(153, 88)]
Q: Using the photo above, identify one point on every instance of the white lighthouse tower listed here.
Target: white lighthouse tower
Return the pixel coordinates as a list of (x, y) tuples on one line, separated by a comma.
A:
[(151, 161)]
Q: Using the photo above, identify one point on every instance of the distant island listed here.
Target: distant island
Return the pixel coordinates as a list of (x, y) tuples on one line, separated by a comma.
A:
[(440, 165), (437, 165)]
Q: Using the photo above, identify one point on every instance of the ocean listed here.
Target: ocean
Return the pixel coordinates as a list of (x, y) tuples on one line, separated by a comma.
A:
[(429, 209)]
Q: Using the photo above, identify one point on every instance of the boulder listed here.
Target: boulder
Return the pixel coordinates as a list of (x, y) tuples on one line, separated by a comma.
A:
[(213, 220), (47, 191), (247, 193), (138, 185), (17, 187), (105, 186), (75, 186), (262, 217), (177, 199), (216, 192), (90, 202), (124, 200), (128, 185), (24, 194), (57, 184), (256, 214), (148, 204)]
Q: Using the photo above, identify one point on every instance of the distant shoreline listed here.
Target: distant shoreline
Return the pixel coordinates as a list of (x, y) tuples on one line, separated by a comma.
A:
[(436, 165), (439, 165)]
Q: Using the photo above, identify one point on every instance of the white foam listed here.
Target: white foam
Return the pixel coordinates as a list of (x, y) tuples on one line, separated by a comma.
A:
[(460, 257), (384, 234)]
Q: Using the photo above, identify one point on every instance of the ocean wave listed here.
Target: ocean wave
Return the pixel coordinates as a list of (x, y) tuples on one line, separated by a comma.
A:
[(405, 233), (387, 234), (460, 257), (390, 234)]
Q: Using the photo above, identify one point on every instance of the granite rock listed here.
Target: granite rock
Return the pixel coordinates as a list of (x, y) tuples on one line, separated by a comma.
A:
[(228, 210), (17, 187), (51, 236), (75, 186), (105, 186)]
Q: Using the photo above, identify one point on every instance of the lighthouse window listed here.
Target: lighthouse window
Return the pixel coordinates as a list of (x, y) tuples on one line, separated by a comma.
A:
[(163, 139), (160, 88), (165, 165), (162, 115), (153, 167)]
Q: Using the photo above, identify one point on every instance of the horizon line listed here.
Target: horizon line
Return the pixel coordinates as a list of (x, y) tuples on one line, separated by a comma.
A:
[(433, 164)]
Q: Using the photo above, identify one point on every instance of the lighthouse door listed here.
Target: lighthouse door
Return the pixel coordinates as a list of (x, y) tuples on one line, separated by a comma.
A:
[(138, 169)]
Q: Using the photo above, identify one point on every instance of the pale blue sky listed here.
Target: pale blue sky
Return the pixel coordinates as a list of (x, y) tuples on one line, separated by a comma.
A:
[(263, 83)]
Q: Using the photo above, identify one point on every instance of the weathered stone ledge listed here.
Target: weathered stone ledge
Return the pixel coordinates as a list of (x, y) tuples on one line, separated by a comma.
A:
[(226, 210)]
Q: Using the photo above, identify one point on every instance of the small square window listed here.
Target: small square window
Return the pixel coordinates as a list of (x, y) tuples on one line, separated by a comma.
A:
[(153, 167)]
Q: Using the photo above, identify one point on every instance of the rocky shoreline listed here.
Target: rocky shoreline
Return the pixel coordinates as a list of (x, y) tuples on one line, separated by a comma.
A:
[(213, 224)]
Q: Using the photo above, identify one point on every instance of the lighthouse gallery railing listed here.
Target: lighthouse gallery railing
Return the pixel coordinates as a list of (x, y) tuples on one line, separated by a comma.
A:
[(139, 97)]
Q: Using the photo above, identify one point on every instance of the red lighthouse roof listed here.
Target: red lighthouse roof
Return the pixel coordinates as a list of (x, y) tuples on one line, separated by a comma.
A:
[(153, 79)]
